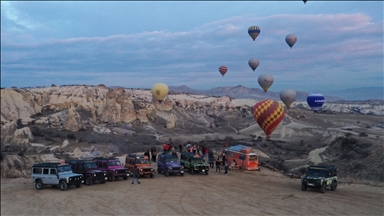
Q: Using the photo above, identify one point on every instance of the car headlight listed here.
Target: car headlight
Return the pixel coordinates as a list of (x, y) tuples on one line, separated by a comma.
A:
[(105, 174), (141, 170), (116, 171), (94, 175)]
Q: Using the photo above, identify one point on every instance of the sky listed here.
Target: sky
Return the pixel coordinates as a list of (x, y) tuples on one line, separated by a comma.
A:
[(136, 44)]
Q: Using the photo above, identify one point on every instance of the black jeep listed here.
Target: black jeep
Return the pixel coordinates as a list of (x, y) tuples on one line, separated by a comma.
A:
[(89, 169), (320, 177)]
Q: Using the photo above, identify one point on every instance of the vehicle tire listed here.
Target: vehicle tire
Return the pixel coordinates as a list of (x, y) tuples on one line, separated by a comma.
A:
[(206, 172), (166, 173), (111, 178), (102, 182), (158, 170), (181, 174), (39, 185), (88, 181), (323, 188), (125, 177), (79, 185), (192, 171), (333, 185), (63, 185), (151, 175), (303, 187)]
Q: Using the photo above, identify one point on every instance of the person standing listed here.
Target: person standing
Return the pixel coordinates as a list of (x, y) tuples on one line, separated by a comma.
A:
[(135, 175), (226, 167), (218, 163)]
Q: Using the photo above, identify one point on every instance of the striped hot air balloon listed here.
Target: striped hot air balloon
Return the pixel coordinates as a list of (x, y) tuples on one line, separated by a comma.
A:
[(254, 31), (223, 70), (268, 114)]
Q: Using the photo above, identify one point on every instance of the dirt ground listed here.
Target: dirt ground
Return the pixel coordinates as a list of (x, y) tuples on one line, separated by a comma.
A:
[(239, 193)]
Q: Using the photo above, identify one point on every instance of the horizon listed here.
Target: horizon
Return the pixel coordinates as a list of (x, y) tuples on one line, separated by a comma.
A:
[(339, 44)]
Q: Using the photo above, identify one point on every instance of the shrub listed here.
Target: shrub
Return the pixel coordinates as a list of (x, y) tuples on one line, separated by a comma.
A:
[(348, 143), (363, 134)]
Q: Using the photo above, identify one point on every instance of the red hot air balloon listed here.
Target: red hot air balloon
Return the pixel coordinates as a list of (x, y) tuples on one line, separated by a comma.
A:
[(268, 114), (223, 70)]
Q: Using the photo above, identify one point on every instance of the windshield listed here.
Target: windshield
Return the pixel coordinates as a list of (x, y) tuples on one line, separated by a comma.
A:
[(142, 161), (252, 158), (90, 165), (113, 163), (172, 159), (317, 173), (65, 168), (197, 159)]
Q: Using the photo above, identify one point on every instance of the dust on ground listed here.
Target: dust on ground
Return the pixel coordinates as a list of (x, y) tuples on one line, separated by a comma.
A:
[(239, 193)]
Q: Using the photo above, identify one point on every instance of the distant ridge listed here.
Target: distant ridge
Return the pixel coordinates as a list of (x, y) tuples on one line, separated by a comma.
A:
[(240, 91)]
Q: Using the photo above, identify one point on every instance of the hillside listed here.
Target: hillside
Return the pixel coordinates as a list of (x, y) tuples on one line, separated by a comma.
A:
[(88, 121)]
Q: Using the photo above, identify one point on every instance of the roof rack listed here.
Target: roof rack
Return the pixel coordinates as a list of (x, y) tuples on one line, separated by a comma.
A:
[(103, 158), (47, 165), (78, 161)]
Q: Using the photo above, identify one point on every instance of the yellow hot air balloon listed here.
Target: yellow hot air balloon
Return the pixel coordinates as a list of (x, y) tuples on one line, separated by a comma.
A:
[(160, 91)]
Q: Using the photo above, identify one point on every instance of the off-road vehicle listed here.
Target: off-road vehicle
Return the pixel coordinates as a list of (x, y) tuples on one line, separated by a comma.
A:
[(55, 174), (194, 163), (112, 167), (320, 177), (142, 163), (167, 164), (89, 170)]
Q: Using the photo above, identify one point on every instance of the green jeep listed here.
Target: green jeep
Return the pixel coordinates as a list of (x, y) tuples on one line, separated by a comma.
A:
[(194, 163), (320, 177)]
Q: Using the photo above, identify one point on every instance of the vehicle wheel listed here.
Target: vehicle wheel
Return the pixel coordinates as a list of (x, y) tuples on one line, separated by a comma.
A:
[(206, 172), (333, 185), (102, 182), (192, 171), (39, 185), (88, 181), (158, 170), (166, 173), (151, 175), (63, 185), (79, 185), (111, 178), (181, 174), (125, 177), (303, 187), (323, 188)]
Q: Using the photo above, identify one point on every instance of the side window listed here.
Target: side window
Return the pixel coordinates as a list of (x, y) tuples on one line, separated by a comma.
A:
[(242, 157), (53, 171), (36, 170), (45, 171)]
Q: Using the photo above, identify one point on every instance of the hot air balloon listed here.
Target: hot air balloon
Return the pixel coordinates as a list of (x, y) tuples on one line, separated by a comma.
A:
[(291, 40), (287, 96), (254, 31), (223, 70), (268, 114), (160, 91), (265, 81), (315, 101), (253, 63)]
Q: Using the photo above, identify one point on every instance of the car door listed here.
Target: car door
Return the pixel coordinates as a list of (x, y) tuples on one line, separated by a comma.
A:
[(53, 177)]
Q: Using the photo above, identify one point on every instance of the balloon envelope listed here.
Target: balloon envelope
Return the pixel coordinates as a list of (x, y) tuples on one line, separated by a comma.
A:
[(315, 101), (254, 31), (253, 63), (265, 81), (287, 96), (160, 91), (223, 70), (268, 114), (291, 40)]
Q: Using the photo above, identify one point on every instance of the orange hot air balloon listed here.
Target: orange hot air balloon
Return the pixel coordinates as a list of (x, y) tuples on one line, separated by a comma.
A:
[(223, 70), (268, 114)]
